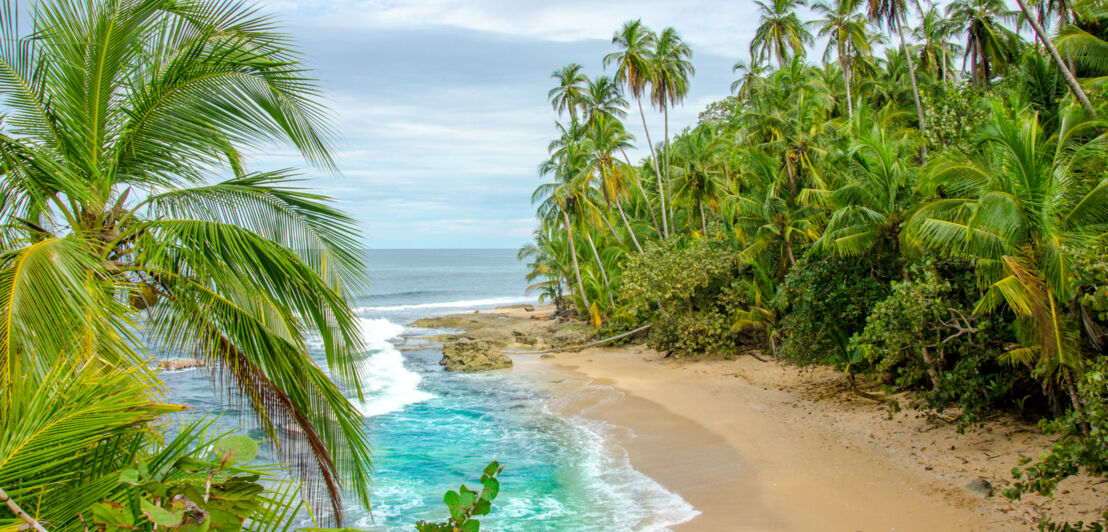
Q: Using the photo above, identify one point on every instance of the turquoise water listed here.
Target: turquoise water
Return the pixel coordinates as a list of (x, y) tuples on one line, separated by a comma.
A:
[(433, 430)]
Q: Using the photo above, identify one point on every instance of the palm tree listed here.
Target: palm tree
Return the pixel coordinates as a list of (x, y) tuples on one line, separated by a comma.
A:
[(845, 32), (937, 52), (893, 14), (634, 64), (988, 44), (120, 114), (695, 154), (1019, 210), (867, 210), (669, 86), (570, 93), (1071, 80), (750, 76), (780, 32), (603, 138), (603, 98)]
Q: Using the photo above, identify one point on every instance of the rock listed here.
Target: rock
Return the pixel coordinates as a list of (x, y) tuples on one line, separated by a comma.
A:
[(569, 336), (174, 364), (473, 355), (980, 487), (521, 337)]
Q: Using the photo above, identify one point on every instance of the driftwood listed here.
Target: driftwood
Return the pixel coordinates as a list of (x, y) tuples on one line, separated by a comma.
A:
[(582, 346)]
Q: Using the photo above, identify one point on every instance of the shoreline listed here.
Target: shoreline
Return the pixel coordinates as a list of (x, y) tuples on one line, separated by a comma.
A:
[(761, 446)]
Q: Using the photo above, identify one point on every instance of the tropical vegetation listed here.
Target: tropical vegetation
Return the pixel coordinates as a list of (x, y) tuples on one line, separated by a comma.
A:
[(921, 202)]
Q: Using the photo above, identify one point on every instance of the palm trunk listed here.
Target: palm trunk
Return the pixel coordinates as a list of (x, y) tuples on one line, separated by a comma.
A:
[(603, 273), (1075, 87), (657, 171), (611, 228), (912, 76), (665, 156), (703, 219), (846, 81), (628, 224), (573, 254), (645, 198)]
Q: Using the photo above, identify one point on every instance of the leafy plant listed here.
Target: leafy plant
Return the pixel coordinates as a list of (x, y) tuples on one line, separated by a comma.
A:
[(465, 504)]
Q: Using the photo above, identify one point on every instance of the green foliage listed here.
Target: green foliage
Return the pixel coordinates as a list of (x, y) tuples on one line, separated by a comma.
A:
[(465, 504), (1082, 440), (689, 292), (828, 299), (954, 112), (924, 337), (195, 482)]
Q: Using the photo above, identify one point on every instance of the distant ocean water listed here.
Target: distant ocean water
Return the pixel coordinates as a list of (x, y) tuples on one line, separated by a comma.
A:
[(433, 430)]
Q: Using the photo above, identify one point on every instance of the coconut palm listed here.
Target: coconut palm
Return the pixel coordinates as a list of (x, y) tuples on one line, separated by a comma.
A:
[(1067, 72), (868, 209), (120, 116), (603, 139), (749, 76), (634, 64), (988, 43), (937, 52), (846, 34), (697, 181), (1021, 210), (780, 34), (893, 14), (669, 85), (603, 98), (570, 93)]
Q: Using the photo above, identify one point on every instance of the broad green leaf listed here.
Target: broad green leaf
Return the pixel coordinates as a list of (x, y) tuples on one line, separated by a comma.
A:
[(160, 516), (236, 449)]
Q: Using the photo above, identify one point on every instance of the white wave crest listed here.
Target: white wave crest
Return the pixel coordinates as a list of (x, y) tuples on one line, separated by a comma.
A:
[(463, 304), (389, 386)]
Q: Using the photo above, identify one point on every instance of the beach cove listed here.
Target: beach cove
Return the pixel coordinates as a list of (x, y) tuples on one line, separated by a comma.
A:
[(755, 445)]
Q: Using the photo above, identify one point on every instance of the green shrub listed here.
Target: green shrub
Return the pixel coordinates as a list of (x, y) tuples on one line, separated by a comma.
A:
[(924, 337), (687, 291), (1082, 446), (827, 300)]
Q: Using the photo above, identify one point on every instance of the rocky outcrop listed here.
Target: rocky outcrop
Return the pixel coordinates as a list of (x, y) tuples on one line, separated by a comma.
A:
[(473, 355), (174, 364)]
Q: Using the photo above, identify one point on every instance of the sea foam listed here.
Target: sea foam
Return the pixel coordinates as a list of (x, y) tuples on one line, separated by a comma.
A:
[(463, 304), (388, 385)]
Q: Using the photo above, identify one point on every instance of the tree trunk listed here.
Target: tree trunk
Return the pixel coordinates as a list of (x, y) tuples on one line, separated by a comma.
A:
[(573, 254), (932, 370), (603, 273), (1075, 87), (628, 224), (846, 80), (703, 219), (645, 198), (912, 76), (665, 157), (657, 171)]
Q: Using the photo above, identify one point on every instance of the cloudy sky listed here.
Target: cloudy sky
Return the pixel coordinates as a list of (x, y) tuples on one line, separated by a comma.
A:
[(442, 105)]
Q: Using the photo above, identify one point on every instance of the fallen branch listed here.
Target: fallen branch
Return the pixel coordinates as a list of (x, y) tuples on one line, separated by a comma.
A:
[(15, 509), (582, 346)]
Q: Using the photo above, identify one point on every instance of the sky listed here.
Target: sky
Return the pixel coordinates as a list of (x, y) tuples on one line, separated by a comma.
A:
[(441, 105)]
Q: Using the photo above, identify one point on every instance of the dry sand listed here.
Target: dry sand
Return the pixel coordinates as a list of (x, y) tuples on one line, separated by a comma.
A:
[(760, 446)]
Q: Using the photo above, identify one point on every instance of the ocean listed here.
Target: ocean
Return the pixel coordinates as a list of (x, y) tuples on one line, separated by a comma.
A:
[(433, 430)]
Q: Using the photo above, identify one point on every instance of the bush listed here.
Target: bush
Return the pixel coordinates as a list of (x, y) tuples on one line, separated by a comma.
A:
[(827, 300), (687, 291), (930, 318), (1082, 444)]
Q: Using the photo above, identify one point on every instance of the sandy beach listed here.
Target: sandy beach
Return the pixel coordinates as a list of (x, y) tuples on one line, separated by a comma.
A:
[(760, 446)]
